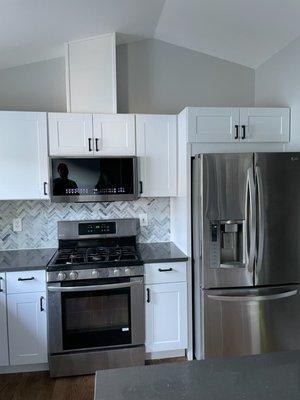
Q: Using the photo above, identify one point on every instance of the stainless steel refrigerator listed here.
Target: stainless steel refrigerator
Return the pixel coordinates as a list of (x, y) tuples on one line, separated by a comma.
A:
[(246, 253)]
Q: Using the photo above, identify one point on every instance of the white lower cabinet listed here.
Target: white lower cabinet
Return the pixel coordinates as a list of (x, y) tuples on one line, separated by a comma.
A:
[(166, 317), (27, 328), (166, 309), (4, 361)]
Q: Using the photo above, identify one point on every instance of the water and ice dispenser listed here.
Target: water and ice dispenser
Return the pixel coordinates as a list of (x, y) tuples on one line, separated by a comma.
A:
[(227, 244)]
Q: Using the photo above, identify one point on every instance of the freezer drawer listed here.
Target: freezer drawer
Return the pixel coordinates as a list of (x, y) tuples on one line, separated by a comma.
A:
[(251, 321)]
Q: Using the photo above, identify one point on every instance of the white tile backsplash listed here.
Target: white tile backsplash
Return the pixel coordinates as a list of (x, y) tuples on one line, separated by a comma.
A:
[(40, 219)]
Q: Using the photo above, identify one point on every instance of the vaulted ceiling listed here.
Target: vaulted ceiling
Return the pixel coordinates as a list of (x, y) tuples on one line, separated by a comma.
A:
[(243, 31)]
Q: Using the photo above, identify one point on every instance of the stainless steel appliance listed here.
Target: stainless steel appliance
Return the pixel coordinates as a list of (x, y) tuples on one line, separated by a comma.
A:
[(94, 179), (246, 229), (95, 298)]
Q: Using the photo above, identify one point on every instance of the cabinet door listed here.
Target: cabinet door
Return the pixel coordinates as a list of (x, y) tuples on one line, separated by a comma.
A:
[(114, 134), (3, 324), (265, 124), (23, 155), (27, 328), (166, 317), (213, 125), (70, 134), (157, 149)]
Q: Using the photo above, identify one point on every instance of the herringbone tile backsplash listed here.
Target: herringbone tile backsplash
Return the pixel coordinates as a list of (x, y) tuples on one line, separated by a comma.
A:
[(40, 219)]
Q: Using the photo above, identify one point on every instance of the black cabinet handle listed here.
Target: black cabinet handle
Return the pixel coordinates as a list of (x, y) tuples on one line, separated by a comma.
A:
[(236, 131), (165, 269), (90, 144), (148, 295), (45, 189), (41, 303), (141, 187), (96, 143), (1, 290), (244, 131), (26, 279)]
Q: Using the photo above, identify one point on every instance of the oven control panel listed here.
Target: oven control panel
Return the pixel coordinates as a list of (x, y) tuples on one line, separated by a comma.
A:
[(97, 228), (97, 273)]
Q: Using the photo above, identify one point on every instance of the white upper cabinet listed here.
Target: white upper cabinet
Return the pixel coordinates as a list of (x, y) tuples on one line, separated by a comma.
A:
[(213, 124), (27, 328), (23, 156), (157, 149), (3, 324), (91, 74), (265, 124), (238, 125), (91, 135), (114, 134), (70, 134)]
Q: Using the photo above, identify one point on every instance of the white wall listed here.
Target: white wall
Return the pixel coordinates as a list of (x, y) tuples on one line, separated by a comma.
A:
[(153, 77), (158, 77), (277, 83), (38, 86)]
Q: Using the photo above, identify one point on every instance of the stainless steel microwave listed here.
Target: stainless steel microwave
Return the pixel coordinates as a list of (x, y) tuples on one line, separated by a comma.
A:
[(94, 179)]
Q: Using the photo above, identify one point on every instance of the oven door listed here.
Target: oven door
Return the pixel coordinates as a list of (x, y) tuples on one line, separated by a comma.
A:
[(99, 314)]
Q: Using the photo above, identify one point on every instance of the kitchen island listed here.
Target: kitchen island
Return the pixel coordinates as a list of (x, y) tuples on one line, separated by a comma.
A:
[(273, 376)]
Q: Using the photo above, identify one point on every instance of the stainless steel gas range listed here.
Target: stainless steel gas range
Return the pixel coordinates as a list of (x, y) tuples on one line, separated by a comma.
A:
[(95, 298)]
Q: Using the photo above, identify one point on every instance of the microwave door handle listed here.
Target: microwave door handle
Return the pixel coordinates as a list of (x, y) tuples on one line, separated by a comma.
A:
[(91, 287)]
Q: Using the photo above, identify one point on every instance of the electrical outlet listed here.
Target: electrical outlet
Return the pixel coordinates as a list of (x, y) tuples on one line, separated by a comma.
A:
[(17, 225), (143, 219)]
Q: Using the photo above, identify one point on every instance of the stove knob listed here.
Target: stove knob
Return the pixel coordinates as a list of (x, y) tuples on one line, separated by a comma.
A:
[(116, 272), (127, 271), (61, 276), (95, 274), (73, 275)]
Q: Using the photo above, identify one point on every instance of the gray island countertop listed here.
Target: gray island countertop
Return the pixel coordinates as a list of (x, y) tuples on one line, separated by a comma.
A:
[(274, 376), (22, 260), (161, 252)]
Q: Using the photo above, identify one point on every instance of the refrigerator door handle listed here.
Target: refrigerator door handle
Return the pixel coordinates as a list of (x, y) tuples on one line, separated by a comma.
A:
[(266, 297), (261, 219), (250, 219)]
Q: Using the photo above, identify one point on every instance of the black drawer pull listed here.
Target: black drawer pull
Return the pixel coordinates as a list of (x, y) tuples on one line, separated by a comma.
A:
[(45, 189), (148, 295), (1, 290), (165, 269), (26, 279), (236, 131), (90, 144), (141, 187), (96, 142), (244, 131), (41, 304)]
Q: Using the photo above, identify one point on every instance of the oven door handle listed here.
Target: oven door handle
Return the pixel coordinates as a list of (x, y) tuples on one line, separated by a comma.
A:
[(91, 287)]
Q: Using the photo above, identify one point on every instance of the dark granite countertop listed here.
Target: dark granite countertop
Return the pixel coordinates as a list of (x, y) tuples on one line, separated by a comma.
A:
[(273, 376), (20, 260), (161, 252)]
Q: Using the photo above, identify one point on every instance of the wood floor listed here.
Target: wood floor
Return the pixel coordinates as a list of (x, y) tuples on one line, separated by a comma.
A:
[(39, 386)]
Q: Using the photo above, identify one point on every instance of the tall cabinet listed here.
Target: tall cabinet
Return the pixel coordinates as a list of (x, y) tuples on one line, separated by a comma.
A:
[(156, 138), (23, 156)]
